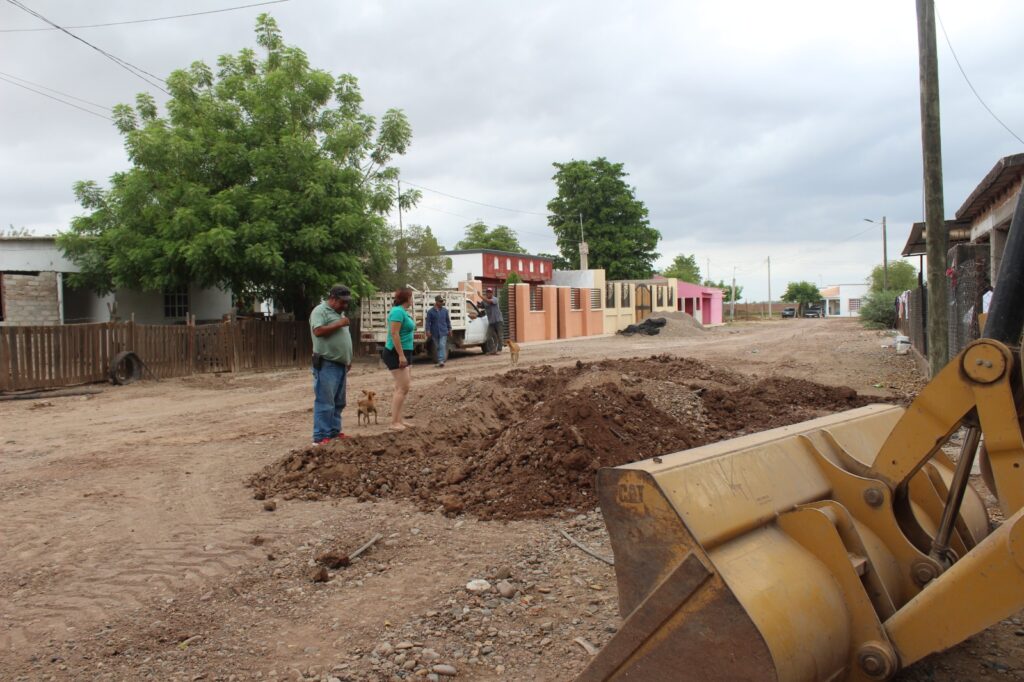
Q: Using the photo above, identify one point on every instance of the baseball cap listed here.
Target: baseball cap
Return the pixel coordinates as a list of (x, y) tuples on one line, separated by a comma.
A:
[(439, 299), (340, 291)]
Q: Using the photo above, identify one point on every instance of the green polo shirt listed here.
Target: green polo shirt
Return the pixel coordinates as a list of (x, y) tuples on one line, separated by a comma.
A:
[(336, 346)]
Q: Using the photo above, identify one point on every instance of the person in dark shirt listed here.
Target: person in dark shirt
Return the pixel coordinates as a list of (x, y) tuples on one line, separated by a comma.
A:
[(494, 320), (439, 326)]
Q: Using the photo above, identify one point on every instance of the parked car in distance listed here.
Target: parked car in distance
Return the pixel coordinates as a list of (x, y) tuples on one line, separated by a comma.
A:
[(788, 312), (813, 311)]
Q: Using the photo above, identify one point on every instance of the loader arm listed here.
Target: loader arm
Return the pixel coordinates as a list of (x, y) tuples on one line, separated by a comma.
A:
[(843, 548)]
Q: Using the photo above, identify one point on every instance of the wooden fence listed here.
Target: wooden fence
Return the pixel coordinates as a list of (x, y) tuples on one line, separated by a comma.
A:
[(45, 357)]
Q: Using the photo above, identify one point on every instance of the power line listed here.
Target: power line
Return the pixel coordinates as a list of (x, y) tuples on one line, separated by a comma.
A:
[(466, 217), (143, 21), (471, 201), (56, 99), (127, 66), (39, 85), (971, 85)]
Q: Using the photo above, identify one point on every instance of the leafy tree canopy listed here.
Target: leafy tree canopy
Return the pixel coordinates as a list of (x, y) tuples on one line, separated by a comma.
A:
[(264, 177), (902, 276), (615, 222), (727, 290), (683, 268), (878, 310), (413, 258), (803, 293), (559, 262), (500, 238)]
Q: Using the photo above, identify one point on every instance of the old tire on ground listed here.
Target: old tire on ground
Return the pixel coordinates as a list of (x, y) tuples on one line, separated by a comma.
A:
[(125, 368)]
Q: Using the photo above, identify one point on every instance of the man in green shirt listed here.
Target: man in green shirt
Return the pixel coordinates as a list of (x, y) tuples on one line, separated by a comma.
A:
[(332, 358)]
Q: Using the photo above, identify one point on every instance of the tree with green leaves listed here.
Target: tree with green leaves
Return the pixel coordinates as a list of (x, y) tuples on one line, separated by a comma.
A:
[(727, 290), (264, 177), (558, 261), (803, 293), (902, 276), (12, 231), (423, 260), (683, 268), (499, 238), (614, 221), (878, 309)]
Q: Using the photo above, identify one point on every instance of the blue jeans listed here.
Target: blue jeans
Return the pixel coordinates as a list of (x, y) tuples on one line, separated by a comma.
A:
[(328, 399), (441, 348)]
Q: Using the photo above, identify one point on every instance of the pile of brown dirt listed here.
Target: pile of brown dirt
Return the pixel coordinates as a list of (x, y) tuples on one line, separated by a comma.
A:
[(527, 443)]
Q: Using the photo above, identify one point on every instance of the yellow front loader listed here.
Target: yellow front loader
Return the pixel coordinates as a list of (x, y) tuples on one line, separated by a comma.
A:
[(843, 548)]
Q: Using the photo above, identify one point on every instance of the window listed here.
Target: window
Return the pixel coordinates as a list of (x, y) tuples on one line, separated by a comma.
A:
[(595, 299), (176, 303), (854, 306), (495, 262), (574, 299), (531, 266), (661, 297), (519, 265), (508, 263), (609, 295), (625, 295), (542, 267)]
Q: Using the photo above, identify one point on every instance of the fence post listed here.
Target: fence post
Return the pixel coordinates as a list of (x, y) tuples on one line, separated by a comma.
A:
[(190, 322)]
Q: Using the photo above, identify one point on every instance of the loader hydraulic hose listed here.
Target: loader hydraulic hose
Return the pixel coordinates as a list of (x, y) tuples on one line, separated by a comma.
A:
[(1006, 314)]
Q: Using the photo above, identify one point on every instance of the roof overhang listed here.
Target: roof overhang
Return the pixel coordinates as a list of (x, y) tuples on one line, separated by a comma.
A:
[(959, 233), (1007, 172)]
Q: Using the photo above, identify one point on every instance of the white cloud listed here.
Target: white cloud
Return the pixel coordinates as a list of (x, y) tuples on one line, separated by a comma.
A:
[(748, 128)]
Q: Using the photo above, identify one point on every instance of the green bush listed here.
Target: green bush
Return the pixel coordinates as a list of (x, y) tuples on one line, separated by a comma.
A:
[(877, 311)]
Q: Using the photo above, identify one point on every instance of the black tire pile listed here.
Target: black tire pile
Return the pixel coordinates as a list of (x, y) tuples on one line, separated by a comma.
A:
[(650, 327)]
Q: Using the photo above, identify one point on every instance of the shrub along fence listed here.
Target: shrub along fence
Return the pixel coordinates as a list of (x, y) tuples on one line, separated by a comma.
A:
[(46, 357)]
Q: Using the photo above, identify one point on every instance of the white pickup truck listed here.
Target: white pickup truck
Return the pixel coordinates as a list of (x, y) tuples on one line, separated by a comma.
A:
[(469, 323)]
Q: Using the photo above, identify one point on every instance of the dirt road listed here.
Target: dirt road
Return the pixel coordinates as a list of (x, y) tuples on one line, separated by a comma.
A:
[(131, 546)]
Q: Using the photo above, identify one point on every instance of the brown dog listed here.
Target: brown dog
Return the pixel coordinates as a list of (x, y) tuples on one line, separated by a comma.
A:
[(513, 350), (367, 407)]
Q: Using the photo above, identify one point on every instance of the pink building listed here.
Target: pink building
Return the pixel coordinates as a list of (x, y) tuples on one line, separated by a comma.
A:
[(703, 303)]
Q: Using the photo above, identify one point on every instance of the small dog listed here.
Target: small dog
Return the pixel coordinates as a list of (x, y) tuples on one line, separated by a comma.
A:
[(513, 350), (367, 407)]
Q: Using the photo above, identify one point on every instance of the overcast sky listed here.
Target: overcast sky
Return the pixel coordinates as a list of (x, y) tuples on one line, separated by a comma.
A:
[(749, 128)]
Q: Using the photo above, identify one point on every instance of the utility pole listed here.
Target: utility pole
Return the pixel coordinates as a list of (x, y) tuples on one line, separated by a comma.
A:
[(584, 248), (885, 259), (707, 271), (936, 237), (732, 297), (769, 287), (885, 255)]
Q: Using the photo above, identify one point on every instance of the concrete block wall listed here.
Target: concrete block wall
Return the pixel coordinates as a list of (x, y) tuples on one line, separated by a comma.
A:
[(31, 299)]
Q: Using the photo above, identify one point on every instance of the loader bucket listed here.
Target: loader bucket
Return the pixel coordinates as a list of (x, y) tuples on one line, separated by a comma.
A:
[(771, 556)]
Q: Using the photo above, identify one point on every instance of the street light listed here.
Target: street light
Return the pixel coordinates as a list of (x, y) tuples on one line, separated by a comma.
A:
[(885, 254)]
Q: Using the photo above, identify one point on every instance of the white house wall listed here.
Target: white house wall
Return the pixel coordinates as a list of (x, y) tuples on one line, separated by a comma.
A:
[(464, 266), (847, 292), (21, 254), (148, 307), (582, 279)]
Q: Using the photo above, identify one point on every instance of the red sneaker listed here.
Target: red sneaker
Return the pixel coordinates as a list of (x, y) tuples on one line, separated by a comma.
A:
[(340, 436), (322, 441)]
